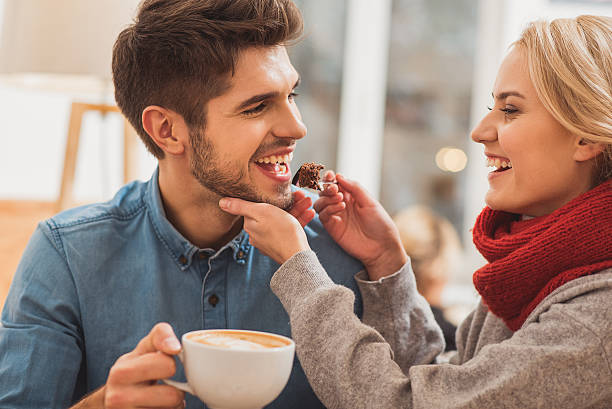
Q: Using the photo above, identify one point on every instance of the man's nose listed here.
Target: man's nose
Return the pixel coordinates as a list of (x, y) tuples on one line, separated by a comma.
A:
[(485, 131), (289, 123)]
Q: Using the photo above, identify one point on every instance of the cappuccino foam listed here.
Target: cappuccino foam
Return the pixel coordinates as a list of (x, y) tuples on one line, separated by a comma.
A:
[(238, 340)]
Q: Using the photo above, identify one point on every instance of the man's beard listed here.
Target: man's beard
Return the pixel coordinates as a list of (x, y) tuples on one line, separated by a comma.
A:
[(221, 179)]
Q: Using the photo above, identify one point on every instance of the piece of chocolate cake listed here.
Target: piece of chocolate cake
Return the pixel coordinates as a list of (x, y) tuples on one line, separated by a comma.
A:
[(308, 176)]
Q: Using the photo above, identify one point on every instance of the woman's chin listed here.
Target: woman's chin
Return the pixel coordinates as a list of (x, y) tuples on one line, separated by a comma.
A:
[(494, 201)]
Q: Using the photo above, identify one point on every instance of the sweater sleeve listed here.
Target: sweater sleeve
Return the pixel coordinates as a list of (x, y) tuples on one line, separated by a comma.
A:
[(356, 355), (559, 359), (393, 306)]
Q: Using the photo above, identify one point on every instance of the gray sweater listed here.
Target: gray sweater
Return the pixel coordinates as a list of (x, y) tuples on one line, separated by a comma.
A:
[(560, 358)]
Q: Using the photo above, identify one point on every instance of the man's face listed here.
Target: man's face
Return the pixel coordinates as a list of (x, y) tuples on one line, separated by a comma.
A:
[(251, 131)]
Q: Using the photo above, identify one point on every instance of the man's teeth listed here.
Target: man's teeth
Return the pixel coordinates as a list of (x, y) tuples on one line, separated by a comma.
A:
[(498, 163), (276, 159)]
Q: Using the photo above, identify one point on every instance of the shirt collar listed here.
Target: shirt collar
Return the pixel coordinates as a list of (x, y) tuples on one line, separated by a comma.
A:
[(181, 249)]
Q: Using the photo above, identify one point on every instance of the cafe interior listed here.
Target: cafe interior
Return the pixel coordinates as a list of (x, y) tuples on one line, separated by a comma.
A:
[(389, 91)]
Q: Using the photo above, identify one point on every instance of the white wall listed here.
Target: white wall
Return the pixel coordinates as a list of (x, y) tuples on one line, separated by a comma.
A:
[(33, 139), (34, 125), (33, 136)]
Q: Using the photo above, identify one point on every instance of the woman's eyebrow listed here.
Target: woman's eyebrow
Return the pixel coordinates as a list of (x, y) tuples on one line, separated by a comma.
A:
[(506, 94)]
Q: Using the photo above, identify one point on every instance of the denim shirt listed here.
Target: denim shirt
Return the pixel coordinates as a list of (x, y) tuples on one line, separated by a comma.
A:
[(94, 280)]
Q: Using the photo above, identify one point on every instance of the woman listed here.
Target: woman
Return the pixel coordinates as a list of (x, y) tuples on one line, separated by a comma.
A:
[(542, 334)]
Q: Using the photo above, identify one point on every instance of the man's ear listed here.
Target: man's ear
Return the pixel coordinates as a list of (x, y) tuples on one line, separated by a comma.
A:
[(164, 128), (586, 150)]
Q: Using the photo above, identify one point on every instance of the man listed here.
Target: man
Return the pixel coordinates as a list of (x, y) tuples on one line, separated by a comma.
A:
[(102, 290)]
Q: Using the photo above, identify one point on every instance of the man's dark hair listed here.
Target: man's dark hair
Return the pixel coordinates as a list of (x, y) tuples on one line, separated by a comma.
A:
[(179, 54)]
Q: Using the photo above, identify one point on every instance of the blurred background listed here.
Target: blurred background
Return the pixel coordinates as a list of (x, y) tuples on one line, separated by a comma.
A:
[(390, 90)]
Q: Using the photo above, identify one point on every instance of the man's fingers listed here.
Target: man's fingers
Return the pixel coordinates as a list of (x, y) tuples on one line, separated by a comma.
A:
[(161, 338), (163, 396), (142, 368), (153, 396)]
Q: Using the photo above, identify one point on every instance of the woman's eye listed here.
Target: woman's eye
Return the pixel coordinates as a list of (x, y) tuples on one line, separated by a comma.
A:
[(255, 110), (292, 96), (509, 111)]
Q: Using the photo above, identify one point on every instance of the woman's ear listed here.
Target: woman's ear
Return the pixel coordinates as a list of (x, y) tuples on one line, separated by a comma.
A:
[(586, 150), (163, 126)]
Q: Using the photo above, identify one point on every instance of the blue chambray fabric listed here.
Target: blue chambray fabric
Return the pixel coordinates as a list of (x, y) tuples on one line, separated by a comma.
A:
[(95, 279)]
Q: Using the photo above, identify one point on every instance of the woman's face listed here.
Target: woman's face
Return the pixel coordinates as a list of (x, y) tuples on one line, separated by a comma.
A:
[(536, 165)]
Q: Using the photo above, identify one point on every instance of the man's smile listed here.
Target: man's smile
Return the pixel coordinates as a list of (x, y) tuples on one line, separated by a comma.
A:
[(276, 166)]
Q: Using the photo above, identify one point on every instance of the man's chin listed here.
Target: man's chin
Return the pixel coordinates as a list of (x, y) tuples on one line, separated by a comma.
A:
[(284, 201)]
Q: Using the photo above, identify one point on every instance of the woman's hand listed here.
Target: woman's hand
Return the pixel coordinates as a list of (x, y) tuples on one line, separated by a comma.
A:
[(275, 232), (361, 226)]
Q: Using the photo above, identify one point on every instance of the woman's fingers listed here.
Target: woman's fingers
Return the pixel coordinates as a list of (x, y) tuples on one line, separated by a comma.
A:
[(305, 217), (325, 201), (330, 211), (250, 210), (329, 176), (300, 205), (354, 188)]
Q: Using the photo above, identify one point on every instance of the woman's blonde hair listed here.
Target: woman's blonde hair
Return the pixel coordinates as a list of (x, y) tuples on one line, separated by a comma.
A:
[(570, 65)]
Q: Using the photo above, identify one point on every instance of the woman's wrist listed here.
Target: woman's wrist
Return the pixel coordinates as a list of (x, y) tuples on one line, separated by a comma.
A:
[(386, 264)]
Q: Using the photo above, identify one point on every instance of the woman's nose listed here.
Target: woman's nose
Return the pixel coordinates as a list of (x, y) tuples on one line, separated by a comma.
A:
[(485, 131)]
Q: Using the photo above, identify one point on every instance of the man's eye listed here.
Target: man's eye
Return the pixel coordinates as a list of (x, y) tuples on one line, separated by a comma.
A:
[(255, 110)]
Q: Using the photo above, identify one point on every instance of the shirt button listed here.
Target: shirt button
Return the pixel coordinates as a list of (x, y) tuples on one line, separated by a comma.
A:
[(213, 300), (240, 254), (183, 260), (203, 255)]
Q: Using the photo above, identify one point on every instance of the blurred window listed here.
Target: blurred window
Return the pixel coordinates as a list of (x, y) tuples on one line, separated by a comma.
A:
[(432, 48)]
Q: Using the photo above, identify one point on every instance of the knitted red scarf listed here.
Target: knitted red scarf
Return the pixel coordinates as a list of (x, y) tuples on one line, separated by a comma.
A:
[(528, 259)]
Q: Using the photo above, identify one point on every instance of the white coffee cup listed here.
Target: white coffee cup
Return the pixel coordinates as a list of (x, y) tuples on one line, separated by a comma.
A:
[(235, 369)]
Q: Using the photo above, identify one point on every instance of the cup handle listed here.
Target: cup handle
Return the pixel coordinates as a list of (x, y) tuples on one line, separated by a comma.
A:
[(184, 386)]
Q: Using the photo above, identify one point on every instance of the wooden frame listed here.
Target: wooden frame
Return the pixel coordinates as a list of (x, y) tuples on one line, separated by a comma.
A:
[(77, 111)]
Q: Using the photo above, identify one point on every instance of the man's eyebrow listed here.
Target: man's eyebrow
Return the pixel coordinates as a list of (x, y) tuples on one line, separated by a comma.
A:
[(261, 97), (506, 94)]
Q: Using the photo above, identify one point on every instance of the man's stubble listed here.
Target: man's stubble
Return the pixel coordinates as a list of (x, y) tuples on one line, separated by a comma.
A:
[(226, 178)]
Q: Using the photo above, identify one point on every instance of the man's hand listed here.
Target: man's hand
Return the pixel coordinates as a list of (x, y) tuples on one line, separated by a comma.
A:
[(132, 380), (273, 231), (361, 226)]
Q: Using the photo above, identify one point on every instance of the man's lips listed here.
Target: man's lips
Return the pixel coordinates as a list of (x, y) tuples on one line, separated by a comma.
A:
[(276, 168)]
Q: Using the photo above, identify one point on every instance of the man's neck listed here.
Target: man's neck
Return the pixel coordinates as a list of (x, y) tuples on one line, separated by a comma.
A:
[(194, 211)]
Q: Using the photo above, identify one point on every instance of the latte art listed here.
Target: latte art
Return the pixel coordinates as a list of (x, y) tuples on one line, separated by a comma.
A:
[(238, 340)]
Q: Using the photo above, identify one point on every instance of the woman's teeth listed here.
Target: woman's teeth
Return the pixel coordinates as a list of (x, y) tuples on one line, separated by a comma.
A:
[(498, 163)]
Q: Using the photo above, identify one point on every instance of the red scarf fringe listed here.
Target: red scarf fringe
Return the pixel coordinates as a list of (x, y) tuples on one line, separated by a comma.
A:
[(529, 259)]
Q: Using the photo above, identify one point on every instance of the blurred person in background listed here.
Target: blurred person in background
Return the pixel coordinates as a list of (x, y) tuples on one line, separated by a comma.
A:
[(434, 248), (541, 334)]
